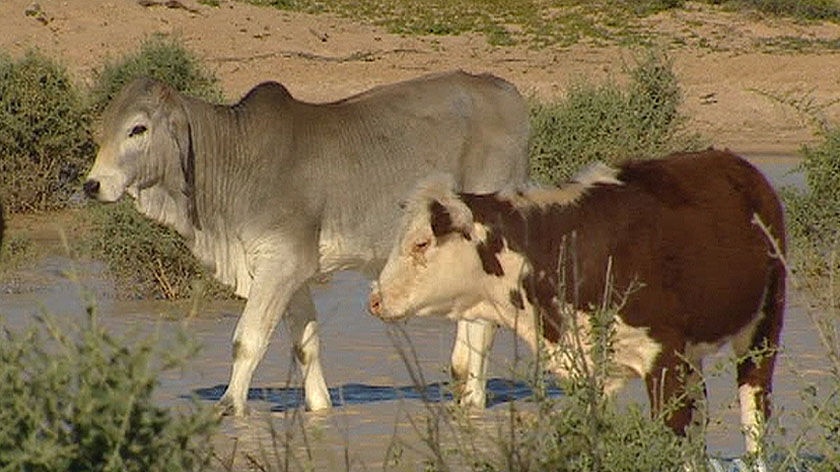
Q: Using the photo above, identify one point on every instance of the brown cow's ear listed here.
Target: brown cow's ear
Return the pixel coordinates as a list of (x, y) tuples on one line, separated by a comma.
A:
[(446, 220), (440, 219)]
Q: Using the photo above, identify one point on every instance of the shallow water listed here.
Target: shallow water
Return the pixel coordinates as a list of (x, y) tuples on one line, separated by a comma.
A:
[(380, 416)]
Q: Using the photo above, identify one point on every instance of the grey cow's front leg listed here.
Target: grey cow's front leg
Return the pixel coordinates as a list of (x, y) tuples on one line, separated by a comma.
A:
[(303, 325), (274, 285)]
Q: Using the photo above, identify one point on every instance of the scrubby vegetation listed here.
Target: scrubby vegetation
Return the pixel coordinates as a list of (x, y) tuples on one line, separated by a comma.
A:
[(539, 23), (147, 259), (159, 57), (814, 213), (609, 123), (81, 399), (45, 134)]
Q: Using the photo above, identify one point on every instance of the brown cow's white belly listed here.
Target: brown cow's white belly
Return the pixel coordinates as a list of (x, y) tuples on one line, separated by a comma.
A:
[(633, 352)]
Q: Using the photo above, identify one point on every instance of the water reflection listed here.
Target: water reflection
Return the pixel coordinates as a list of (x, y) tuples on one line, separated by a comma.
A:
[(287, 398)]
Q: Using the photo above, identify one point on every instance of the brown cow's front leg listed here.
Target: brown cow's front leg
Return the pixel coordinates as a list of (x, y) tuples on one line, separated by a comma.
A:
[(666, 388), (470, 360)]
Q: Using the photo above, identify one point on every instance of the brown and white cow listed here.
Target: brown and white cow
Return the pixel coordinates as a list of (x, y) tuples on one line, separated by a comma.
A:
[(676, 238)]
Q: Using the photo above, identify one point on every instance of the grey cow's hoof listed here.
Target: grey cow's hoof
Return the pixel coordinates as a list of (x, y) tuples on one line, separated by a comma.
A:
[(225, 407)]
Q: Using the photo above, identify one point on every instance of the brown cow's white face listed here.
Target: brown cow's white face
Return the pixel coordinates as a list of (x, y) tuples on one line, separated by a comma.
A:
[(429, 274)]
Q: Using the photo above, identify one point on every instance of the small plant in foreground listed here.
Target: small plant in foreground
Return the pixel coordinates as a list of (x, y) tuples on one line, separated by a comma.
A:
[(147, 258), (81, 399), (45, 140)]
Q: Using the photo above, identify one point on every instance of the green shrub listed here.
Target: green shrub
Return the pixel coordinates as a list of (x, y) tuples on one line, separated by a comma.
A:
[(607, 123), (159, 57), (813, 214), (149, 259), (45, 139), (81, 399)]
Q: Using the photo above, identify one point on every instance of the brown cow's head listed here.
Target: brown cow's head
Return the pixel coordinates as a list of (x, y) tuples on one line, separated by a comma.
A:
[(434, 267)]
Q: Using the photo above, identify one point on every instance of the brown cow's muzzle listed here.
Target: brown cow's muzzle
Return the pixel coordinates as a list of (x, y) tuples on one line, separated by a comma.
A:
[(375, 304)]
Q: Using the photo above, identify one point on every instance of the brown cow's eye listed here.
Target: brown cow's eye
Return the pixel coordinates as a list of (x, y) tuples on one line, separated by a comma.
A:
[(136, 131), (421, 246)]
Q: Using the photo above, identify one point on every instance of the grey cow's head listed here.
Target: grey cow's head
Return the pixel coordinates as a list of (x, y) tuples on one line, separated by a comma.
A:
[(144, 140)]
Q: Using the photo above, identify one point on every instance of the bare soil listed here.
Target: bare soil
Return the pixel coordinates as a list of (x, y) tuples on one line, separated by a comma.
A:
[(322, 57)]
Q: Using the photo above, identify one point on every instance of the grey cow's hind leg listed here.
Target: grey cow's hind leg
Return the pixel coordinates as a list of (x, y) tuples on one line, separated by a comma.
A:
[(303, 325)]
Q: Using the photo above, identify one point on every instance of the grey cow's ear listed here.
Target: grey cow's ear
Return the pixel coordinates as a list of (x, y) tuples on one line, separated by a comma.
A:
[(170, 113), (183, 136), (181, 133)]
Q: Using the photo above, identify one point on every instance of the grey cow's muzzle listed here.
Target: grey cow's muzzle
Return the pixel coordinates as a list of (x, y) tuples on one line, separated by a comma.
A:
[(91, 188)]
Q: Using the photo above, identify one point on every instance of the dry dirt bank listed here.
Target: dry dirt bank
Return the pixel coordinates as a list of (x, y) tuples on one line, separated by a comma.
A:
[(324, 57)]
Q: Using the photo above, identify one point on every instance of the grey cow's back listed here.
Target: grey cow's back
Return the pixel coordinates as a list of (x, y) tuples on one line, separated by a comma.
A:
[(477, 147)]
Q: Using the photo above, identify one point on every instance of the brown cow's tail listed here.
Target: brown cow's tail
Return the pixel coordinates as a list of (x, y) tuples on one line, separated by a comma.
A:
[(757, 360)]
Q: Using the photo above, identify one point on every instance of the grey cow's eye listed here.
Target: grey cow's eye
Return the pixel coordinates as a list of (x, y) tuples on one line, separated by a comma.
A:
[(136, 131)]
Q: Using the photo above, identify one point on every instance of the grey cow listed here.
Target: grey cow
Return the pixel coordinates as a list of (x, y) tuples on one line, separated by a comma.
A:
[(271, 191)]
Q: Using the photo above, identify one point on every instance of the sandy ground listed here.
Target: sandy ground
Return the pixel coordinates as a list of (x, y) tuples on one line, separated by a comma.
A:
[(322, 58)]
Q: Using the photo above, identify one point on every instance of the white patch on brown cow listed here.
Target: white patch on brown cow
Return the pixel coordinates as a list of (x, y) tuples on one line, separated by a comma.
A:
[(633, 349), (595, 174), (751, 424)]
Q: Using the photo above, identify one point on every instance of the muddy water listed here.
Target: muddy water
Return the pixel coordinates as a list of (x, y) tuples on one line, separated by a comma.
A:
[(380, 417)]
